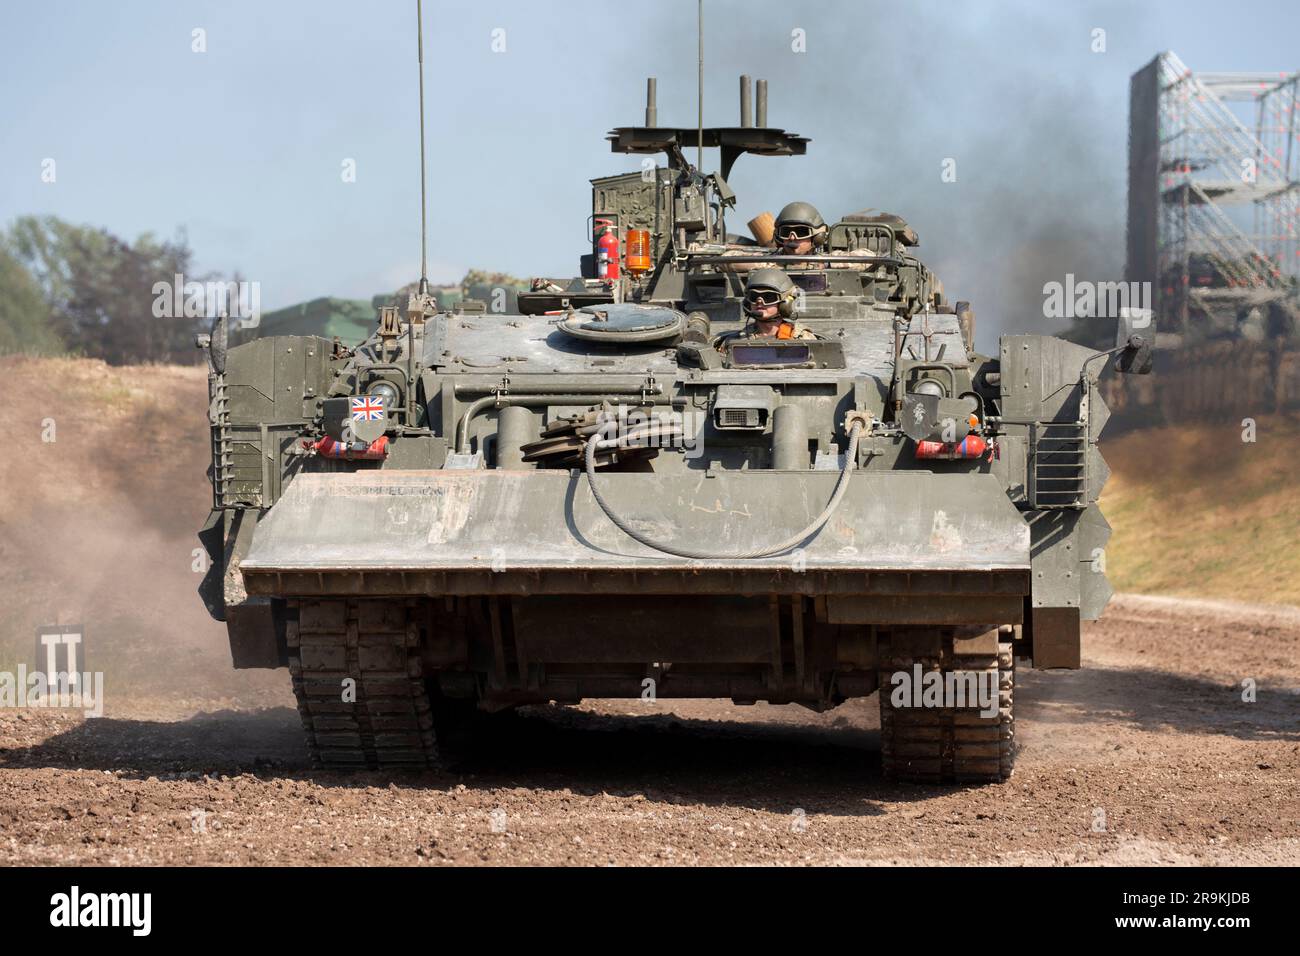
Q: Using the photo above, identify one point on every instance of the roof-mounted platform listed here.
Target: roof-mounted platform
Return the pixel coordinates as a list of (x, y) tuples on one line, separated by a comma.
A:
[(760, 139), (731, 139)]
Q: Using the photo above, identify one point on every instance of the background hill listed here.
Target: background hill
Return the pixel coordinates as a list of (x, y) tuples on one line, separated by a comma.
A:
[(1198, 512)]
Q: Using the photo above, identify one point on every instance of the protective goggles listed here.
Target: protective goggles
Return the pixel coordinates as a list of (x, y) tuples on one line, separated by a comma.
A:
[(794, 233), (762, 297)]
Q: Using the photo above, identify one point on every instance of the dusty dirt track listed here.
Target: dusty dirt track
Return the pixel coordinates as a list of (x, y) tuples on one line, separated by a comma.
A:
[(196, 763), (1153, 734)]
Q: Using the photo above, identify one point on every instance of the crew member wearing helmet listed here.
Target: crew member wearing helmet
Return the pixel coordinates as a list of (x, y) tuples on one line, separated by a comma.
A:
[(770, 299), (800, 229)]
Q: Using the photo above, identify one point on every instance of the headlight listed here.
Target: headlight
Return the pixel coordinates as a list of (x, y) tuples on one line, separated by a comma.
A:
[(388, 392), (928, 386)]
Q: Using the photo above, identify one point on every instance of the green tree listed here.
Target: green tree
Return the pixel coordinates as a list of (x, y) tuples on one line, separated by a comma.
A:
[(99, 289), (25, 319)]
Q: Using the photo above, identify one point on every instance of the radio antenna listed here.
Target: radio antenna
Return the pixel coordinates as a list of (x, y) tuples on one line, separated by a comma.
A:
[(424, 227), (699, 92)]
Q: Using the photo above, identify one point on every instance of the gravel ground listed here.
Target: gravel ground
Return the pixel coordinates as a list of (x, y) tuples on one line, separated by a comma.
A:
[(1146, 756)]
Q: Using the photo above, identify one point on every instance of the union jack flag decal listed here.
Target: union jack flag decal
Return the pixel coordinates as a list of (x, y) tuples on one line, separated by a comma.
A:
[(368, 408)]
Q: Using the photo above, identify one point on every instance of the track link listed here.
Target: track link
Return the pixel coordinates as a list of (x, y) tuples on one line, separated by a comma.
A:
[(935, 745), (382, 720)]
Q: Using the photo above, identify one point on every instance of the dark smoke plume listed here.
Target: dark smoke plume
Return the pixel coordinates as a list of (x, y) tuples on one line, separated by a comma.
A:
[(888, 93)]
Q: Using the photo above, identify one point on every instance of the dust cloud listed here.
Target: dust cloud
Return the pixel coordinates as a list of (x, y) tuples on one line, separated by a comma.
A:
[(97, 528)]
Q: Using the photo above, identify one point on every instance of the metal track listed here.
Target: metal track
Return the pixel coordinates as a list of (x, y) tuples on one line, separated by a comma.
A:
[(947, 744), (380, 721)]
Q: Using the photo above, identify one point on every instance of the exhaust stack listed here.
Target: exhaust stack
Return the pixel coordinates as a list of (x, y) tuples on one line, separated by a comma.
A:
[(746, 119), (651, 109)]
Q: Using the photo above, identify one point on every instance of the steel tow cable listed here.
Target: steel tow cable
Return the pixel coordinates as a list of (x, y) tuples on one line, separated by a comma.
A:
[(598, 441)]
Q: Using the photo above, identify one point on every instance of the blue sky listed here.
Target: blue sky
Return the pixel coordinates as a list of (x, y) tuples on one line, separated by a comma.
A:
[(243, 145)]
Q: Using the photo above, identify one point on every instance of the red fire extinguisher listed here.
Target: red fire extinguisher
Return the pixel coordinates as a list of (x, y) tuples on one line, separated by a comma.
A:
[(606, 250)]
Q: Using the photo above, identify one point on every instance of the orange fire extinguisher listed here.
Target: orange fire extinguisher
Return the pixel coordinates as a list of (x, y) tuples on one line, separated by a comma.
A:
[(606, 250)]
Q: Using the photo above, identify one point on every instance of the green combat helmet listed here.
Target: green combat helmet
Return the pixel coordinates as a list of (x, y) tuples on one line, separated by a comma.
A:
[(770, 287), (801, 220)]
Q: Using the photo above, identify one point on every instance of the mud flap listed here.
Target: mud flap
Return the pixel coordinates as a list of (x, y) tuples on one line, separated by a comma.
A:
[(211, 589), (1053, 633), (257, 634)]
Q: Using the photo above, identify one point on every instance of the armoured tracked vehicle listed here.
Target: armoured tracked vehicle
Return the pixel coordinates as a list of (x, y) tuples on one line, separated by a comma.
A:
[(613, 494)]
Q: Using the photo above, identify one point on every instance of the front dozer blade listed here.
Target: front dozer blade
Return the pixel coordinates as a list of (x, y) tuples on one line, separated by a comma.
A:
[(539, 532)]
